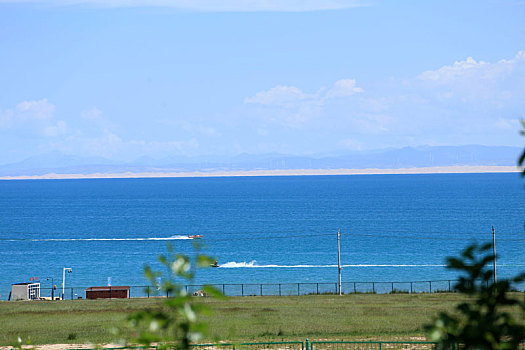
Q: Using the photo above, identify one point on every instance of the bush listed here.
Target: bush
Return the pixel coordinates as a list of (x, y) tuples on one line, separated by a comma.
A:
[(484, 322), (176, 324)]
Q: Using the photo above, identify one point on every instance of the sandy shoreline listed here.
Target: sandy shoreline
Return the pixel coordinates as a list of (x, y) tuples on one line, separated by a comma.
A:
[(460, 169)]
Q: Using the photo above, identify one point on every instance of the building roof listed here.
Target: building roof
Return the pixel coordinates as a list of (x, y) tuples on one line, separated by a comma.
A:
[(24, 283), (106, 288)]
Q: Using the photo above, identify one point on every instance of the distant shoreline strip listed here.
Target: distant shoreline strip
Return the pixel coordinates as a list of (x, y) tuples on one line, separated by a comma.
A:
[(457, 169)]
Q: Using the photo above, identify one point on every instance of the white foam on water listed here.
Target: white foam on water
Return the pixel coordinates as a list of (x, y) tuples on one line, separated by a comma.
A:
[(172, 238), (253, 264)]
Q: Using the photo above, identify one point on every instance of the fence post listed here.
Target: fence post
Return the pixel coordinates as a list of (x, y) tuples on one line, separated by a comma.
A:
[(317, 288), (373, 287), (279, 289), (242, 289), (335, 288), (355, 290), (223, 289), (297, 289), (430, 286), (449, 286), (261, 288), (392, 287), (307, 344), (148, 292), (71, 293), (411, 288)]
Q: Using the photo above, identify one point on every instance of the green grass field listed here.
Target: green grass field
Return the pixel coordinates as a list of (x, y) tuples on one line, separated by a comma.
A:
[(319, 317)]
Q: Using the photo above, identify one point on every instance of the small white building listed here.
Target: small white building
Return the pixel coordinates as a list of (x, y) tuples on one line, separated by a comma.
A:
[(25, 291)]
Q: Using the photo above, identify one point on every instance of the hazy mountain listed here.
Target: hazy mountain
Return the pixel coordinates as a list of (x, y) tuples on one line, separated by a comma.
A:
[(408, 157)]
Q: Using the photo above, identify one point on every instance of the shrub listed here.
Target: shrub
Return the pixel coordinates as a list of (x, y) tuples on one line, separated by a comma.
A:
[(176, 324), (484, 322)]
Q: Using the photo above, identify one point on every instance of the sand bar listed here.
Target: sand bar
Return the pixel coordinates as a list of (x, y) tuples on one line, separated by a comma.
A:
[(459, 169)]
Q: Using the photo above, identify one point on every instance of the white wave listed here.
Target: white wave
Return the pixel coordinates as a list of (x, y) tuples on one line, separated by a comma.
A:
[(395, 265), (253, 264), (172, 238)]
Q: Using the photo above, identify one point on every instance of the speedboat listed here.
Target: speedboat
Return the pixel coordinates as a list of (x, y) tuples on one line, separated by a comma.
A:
[(195, 236)]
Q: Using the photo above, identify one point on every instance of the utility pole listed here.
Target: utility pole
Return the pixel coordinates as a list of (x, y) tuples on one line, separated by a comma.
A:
[(52, 288), (69, 270), (339, 258), (494, 251)]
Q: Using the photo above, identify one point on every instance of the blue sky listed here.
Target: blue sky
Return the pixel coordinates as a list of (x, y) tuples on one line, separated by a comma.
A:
[(130, 78)]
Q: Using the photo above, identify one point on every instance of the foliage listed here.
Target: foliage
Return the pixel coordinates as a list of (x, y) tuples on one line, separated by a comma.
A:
[(521, 160), (21, 346), (176, 324), (483, 322)]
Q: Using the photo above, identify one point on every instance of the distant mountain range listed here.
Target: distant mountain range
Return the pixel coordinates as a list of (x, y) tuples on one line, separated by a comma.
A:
[(408, 157)]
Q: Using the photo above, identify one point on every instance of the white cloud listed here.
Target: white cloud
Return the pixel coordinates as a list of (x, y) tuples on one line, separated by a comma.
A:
[(198, 128), (448, 74), (214, 5), (60, 128), (107, 144), (206, 130), (6, 118), (40, 109), (290, 106), (286, 96), (31, 116), (507, 124), (110, 145), (290, 96), (473, 70), (342, 88), (92, 114), (468, 101), (460, 103)]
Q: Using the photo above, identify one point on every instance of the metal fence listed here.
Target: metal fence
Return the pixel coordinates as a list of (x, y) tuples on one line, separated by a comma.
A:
[(284, 289), (312, 345), (287, 345), (378, 345), (370, 345)]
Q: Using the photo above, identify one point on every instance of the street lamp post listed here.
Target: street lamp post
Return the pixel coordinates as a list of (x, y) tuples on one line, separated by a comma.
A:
[(52, 287), (69, 270)]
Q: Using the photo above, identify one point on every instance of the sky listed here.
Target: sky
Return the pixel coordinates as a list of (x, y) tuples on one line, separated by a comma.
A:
[(176, 78)]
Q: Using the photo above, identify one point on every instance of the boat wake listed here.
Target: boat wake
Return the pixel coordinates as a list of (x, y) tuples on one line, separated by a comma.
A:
[(253, 264), (172, 238)]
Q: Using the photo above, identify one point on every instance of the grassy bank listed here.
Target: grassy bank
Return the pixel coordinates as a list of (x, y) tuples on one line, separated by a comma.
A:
[(361, 316)]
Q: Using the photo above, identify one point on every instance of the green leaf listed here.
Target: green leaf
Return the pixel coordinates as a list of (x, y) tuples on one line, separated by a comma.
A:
[(212, 291), (178, 318), (204, 261)]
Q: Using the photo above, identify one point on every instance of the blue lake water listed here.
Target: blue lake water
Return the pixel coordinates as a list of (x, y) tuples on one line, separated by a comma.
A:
[(260, 229)]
